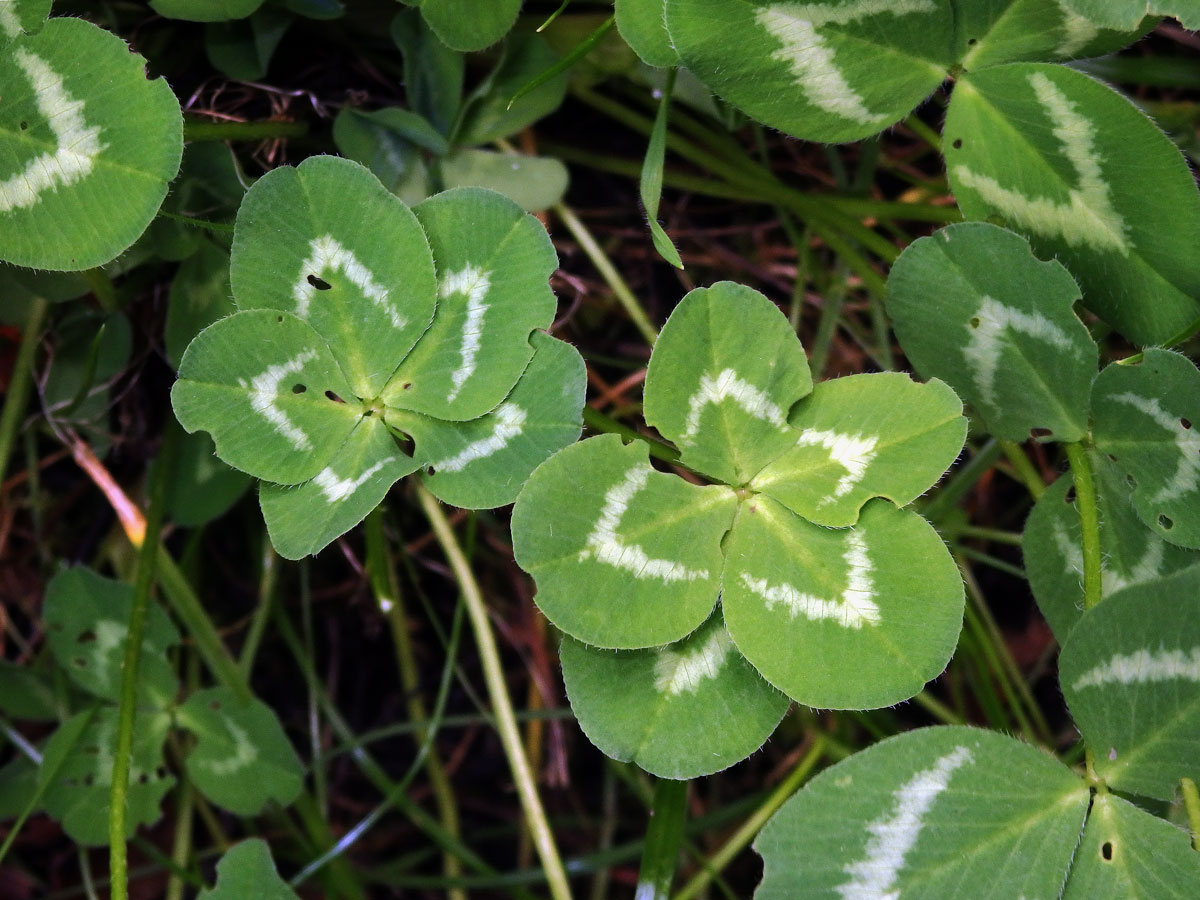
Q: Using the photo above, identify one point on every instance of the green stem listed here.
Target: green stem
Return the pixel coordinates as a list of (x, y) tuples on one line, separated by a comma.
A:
[(1191, 803), (138, 615), (1029, 476), (17, 396), (748, 829), (199, 130), (1089, 518), (493, 672), (608, 272), (598, 421), (961, 482), (660, 856)]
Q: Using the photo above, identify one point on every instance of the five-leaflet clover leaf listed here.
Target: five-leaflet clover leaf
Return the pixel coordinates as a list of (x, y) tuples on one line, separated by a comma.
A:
[(815, 575), (361, 323)]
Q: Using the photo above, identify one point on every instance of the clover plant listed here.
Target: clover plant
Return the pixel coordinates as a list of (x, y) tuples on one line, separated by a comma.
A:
[(803, 536), (360, 321)]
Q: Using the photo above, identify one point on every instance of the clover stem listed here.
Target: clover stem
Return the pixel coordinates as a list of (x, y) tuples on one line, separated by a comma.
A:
[(1024, 468), (1089, 519), (506, 722), (17, 395), (138, 615), (660, 854), (1191, 803), (195, 130)]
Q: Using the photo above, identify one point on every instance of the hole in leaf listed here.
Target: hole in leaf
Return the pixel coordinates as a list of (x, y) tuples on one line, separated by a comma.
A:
[(1165, 522), (86, 638), (957, 145), (160, 772), (1070, 496), (407, 386), (1131, 481), (80, 662), (89, 779), (279, 320), (299, 388), (215, 704), (1186, 423), (23, 125), (431, 471), (1039, 432), (330, 395), (319, 283), (1106, 850), (368, 412), (143, 778), (974, 323), (1112, 458)]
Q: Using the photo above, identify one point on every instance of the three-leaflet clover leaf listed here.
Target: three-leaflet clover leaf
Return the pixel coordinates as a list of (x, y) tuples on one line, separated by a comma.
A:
[(80, 178), (628, 557), (371, 342), (247, 870)]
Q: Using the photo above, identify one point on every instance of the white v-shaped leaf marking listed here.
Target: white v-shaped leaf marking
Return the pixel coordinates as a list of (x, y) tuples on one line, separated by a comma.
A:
[(510, 423), (1087, 218), (853, 452), (264, 392), (475, 284), (1145, 569), (608, 547), (77, 144), (326, 254), (9, 23), (336, 489), (1187, 470), (1143, 667), (678, 672), (729, 386), (985, 334), (812, 60), (244, 752), (1078, 31)]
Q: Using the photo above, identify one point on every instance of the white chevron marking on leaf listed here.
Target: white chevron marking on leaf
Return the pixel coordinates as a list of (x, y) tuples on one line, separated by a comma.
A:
[(336, 489), (510, 422), (1143, 667), (264, 391), (812, 60), (853, 452), (1145, 569), (326, 254), (678, 672), (244, 752), (1078, 31), (1187, 471), (475, 284), (729, 386), (895, 834), (77, 144), (9, 23), (857, 604), (1088, 217), (608, 547), (985, 343)]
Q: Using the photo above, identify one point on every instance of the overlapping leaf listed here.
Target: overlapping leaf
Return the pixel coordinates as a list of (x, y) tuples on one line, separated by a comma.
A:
[(468, 25), (1131, 676), (643, 25), (1147, 419), (1045, 149), (973, 306), (247, 870), (1126, 13), (79, 182), (17, 16), (205, 10)]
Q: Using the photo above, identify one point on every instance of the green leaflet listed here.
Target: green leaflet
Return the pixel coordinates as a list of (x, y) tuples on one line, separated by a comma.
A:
[(1131, 676), (83, 751), (682, 711), (242, 48), (1144, 417), (78, 180), (202, 487), (205, 10), (624, 556), (328, 243), (493, 263), (876, 435), (1052, 547), (482, 464), (642, 24), (469, 25), (262, 384), (1126, 13), (532, 182), (921, 815), (242, 759), (1044, 149), (973, 306), (491, 111), (27, 693), (1128, 854), (992, 32), (18, 16), (824, 70), (433, 73), (200, 295), (87, 619), (383, 141), (247, 870), (725, 372), (804, 602)]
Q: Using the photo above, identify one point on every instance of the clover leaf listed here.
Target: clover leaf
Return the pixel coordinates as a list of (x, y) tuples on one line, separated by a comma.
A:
[(1124, 13), (628, 557), (79, 180), (247, 870), (372, 341)]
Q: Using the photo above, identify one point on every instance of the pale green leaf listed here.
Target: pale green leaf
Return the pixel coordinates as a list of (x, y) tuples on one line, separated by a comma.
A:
[(972, 305), (1126, 13), (242, 48), (1128, 854), (18, 16), (726, 370), (935, 814), (650, 188), (642, 24), (433, 73), (200, 294), (1131, 676), (201, 487), (822, 70), (532, 182), (624, 556), (682, 711), (380, 141), (492, 113), (468, 24), (1053, 549), (303, 519), (87, 624), (78, 795), (26, 692), (205, 10), (865, 436), (263, 385), (247, 870), (79, 181), (807, 604), (242, 759), (329, 243), (1147, 419), (1048, 150), (481, 464), (494, 262)]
